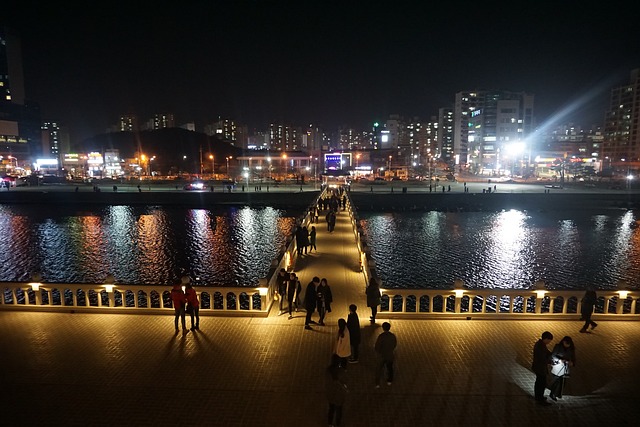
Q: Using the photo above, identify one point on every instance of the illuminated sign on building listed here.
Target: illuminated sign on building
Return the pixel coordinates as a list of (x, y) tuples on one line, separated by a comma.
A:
[(476, 113), (95, 159)]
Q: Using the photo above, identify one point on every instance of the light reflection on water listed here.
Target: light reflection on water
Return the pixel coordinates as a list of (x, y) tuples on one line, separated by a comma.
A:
[(233, 246), (509, 249)]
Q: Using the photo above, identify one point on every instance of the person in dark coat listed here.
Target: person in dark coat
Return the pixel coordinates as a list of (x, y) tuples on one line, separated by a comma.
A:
[(293, 291), (336, 391), (353, 324), (281, 286), (312, 239), (385, 347), (310, 300), (563, 357), (373, 298), (299, 239), (588, 303), (305, 239), (541, 361), (324, 300)]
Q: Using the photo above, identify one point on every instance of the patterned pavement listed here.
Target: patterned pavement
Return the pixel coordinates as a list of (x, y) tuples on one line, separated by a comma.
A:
[(132, 370)]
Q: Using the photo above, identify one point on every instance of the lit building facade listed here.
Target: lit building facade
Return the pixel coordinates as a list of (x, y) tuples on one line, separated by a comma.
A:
[(20, 134), (490, 129), (621, 145)]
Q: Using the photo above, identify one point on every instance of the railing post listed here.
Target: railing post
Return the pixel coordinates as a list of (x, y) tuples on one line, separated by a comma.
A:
[(458, 290), (540, 290), (622, 296), (109, 284), (36, 280)]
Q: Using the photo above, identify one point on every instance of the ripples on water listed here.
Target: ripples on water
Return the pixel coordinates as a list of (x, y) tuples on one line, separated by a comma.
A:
[(510, 249), (147, 245)]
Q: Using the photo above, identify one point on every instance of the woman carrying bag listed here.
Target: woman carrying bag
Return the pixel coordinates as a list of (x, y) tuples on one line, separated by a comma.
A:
[(563, 357)]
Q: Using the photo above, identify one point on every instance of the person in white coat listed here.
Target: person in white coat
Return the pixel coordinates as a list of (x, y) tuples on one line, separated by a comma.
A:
[(343, 343)]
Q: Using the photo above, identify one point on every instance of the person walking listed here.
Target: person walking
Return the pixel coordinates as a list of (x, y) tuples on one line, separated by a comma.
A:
[(281, 286), (353, 323), (310, 300), (563, 357), (305, 239), (373, 298), (331, 220), (539, 366), (336, 391), (312, 239), (293, 290), (325, 298), (588, 303), (179, 300), (342, 346), (385, 347), (299, 239), (193, 306)]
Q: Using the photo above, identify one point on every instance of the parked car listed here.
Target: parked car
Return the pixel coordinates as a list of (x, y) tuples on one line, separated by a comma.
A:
[(195, 186)]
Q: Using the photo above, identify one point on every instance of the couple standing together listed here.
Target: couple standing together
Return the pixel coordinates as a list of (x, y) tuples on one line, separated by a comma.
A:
[(317, 296)]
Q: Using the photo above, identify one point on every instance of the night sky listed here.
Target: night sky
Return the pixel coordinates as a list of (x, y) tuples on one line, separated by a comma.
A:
[(330, 63)]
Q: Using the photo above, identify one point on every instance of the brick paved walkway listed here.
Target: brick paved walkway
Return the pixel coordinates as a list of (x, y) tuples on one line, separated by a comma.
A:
[(95, 369)]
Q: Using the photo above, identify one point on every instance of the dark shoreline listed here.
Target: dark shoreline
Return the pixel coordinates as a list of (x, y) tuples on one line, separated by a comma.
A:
[(364, 201), (278, 200)]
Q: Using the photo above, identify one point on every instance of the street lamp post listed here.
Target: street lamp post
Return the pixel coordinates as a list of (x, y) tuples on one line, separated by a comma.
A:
[(213, 166), (286, 168), (228, 158)]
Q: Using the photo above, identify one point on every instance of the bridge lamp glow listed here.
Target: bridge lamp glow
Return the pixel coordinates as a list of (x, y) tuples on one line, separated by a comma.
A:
[(109, 283), (263, 291), (459, 293), (623, 294), (35, 286), (287, 260), (540, 294)]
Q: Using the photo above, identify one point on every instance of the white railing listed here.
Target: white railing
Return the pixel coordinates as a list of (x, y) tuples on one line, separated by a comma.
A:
[(505, 303), (122, 298), (152, 299), (367, 265)]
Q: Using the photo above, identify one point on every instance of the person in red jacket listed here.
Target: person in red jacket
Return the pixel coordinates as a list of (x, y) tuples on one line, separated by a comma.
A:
[(193, 306), (179, 300)]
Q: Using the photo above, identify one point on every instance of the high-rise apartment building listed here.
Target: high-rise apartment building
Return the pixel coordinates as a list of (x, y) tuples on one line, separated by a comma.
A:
[(445, 136), (282, 137), (128, 123), (163, 121), (20, 135), (621, 145), (51, 139), (490, 128)]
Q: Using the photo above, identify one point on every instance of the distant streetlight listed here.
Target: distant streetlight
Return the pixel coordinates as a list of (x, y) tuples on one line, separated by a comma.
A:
[(357, 160), (213, 166)]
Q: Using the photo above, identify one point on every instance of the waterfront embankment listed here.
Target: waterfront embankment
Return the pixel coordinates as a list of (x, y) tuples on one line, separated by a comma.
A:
[(276, 199), (474, 202)]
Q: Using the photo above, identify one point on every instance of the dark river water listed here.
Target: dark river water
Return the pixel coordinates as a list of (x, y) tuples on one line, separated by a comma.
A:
[(232, 246), (235, 246), (509, 249)]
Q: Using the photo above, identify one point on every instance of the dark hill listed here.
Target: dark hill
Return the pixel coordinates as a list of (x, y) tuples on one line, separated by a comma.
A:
[(169, 146)]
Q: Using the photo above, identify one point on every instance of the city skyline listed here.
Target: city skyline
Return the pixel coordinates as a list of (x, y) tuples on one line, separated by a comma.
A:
[(328, 64)]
